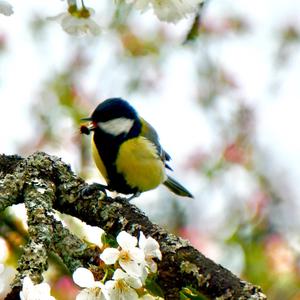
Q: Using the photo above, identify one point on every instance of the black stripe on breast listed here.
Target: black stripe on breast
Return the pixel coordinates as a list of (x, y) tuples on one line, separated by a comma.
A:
[(108, 147)]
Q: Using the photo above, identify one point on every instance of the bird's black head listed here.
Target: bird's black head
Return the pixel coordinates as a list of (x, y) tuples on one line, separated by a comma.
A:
[(115, 117), (113, 108)]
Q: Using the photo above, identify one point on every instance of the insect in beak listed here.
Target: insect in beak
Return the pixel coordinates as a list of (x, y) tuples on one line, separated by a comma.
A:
[(87, 129)]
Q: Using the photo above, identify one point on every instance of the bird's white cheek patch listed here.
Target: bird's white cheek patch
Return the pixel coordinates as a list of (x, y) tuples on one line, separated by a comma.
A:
[(116, 126)]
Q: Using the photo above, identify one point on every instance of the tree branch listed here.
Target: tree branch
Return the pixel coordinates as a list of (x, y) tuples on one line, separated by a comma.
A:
[(53, 185)]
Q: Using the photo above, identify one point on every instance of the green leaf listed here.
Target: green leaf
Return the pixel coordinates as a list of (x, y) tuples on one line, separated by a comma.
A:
[(189, 293), (110, 240), (153, 287)]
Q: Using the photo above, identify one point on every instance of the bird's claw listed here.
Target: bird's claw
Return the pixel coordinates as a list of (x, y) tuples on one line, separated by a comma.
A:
[(91, 188)]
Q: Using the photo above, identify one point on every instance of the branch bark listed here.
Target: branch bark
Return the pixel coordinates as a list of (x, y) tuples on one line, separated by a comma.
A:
[(44, 182)]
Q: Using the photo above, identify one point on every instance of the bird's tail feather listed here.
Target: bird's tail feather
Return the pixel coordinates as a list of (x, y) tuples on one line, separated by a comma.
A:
[(177, 188)]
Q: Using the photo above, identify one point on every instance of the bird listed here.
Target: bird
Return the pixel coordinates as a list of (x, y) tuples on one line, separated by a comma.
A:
[(127, 152)]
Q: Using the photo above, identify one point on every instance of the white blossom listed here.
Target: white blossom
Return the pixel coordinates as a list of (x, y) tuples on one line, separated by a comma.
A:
[(32, 291), (122, 286), (130, 258), (151, 250), (168, 10), (6, 8), (93, 290), (76, 25)]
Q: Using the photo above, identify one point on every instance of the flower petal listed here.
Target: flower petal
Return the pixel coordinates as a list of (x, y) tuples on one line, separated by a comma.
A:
[(137, 255), (79, 26), (130, 294), (84, 278), (133, 282), (27, 286), (121, 286), (126, 240), (37, 292), (110, 255), (150, 246), (91, 294), (142, 240), (42, 289), (152, 265), (132, 268), (93, 27), (174, 10), (124, 294), (93, 234), (169, 11), (119, 274), (72, 25), (86, 294)]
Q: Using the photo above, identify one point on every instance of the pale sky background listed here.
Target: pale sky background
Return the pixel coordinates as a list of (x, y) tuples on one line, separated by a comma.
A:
[(249, 57)]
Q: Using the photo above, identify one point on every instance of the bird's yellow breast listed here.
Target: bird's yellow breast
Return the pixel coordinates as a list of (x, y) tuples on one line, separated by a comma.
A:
[(138, 162)]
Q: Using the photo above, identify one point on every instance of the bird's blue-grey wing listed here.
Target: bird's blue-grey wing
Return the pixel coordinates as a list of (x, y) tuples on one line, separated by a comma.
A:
[(149, 132)]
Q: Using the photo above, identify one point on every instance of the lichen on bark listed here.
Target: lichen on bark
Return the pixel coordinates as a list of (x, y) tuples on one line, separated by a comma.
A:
[(45, 184)]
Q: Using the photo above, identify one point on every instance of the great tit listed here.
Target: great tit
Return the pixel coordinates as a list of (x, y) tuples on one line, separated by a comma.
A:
[(127, 151)]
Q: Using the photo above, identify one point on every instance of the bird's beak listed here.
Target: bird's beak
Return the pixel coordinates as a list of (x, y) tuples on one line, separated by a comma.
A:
[(86, 119), (91, 126)]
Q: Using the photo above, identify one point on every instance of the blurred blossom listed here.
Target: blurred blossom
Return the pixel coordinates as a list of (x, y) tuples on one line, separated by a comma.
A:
[(137, 46), (291, 33), (280, 257), (235, 153), (288, 44), (168, 10), (32, 291), (223, 26), (78, 24), (259, 203), (196, 160), (200, 241), (3, 42), (65, 288), (6, 8)]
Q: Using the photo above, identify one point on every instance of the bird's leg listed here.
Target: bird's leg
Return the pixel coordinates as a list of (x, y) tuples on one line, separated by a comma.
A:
[(136, 194)]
